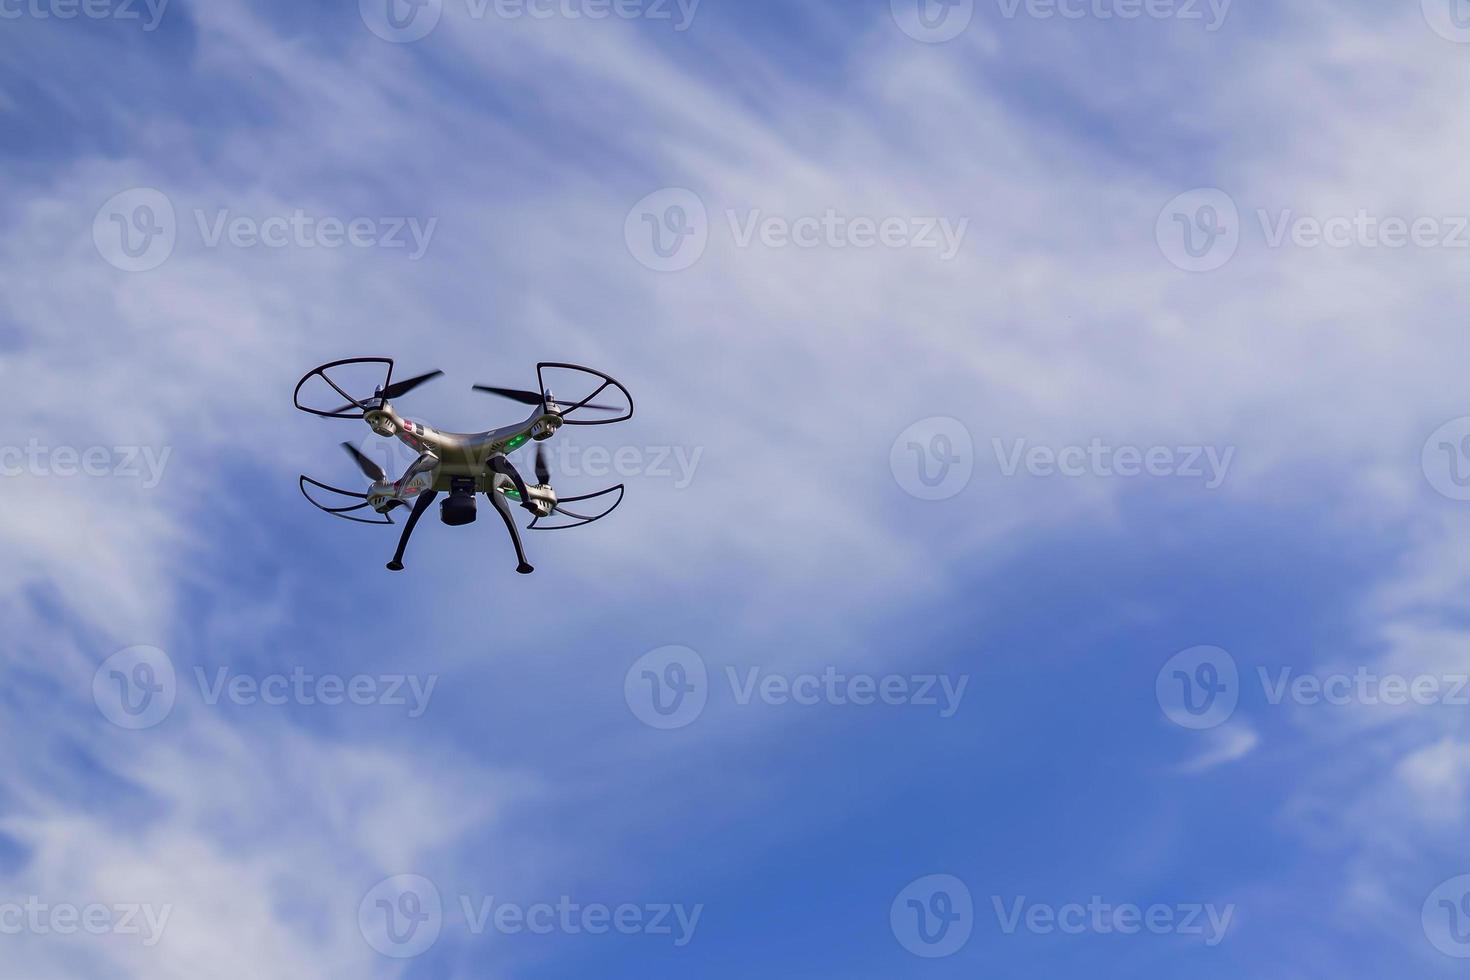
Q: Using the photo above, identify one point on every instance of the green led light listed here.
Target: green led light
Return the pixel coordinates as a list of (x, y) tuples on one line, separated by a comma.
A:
[(516, 443)]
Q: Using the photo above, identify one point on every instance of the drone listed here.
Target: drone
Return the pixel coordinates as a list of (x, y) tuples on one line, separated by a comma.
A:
[(464, 465)]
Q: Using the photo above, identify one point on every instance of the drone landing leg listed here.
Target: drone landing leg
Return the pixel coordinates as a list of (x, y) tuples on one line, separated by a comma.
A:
[(502, 506), (424, 501)]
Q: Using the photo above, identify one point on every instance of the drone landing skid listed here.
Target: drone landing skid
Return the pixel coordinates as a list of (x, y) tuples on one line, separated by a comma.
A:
[(502, 507)]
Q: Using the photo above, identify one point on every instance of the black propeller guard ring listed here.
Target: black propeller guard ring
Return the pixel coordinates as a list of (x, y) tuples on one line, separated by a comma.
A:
[(346, 413), (341, 512), (580, 521), (608, 381)]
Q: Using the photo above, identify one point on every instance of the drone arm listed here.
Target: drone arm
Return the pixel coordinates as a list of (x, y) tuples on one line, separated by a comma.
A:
[(424, 501), (426, 463), (501, 465)]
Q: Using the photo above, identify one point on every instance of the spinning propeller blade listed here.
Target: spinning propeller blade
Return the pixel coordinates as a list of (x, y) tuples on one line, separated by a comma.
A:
[(525, 397), (543, 472), (514, 394), (397, 390), (402, 388), (369, 468)]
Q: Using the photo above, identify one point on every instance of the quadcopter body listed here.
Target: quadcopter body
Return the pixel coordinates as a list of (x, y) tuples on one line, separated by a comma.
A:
[(464, 465)]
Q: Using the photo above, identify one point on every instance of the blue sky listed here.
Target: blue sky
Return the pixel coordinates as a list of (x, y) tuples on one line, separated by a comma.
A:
[(1029, 356)]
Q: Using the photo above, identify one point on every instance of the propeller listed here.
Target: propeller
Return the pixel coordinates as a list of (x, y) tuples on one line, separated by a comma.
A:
[(369, 468), (525, 397), (395, 390), (543, 477), (543, 472), (402, 388)]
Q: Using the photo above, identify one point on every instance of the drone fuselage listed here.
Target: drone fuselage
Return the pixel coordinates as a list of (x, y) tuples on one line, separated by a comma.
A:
[(449, 457)]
